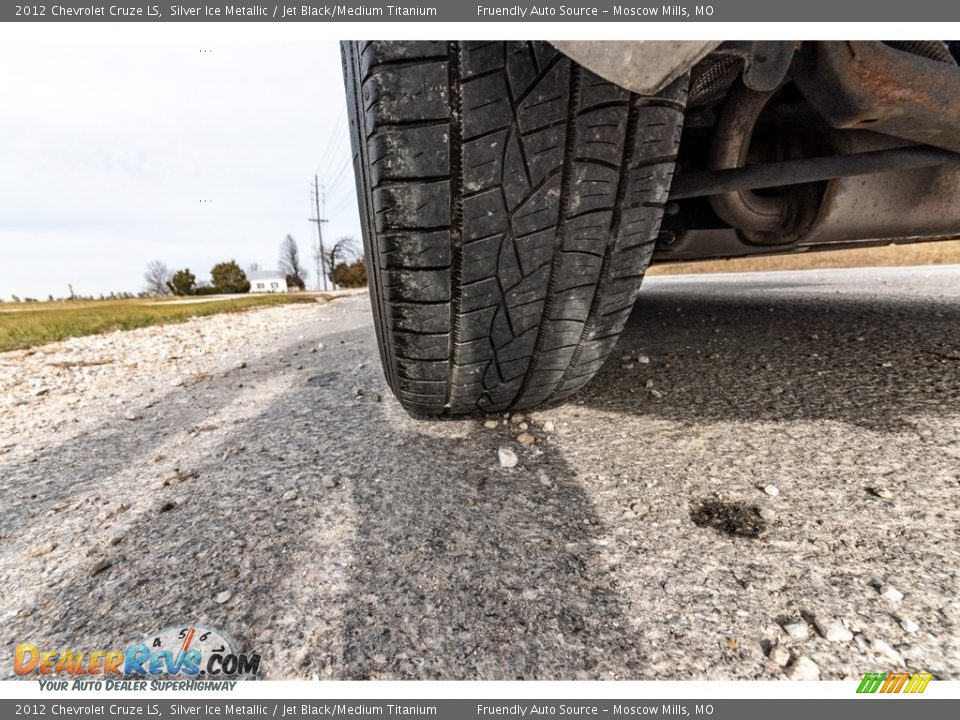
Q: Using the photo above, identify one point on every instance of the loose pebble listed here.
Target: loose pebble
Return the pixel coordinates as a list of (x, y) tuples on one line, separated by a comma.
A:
[(909, 625), (832, 629), (508, 458), (548, 426), (771, 490), (291, 495), (100, 565), (526, 439), (223, 597), (891, 593), (797, 630), (779, 655), (491, 424), (886, 651), (42, 549), (803, 668), (329, 481)]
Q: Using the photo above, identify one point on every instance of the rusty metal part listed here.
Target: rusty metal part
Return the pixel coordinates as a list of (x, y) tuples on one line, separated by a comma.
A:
[(643, 66), (872, 86), (765, 220), (895, 207), (796, 172)]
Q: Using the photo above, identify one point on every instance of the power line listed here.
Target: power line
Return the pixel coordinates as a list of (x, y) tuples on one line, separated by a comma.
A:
[(336, 139), (335, 183), (349, 195)]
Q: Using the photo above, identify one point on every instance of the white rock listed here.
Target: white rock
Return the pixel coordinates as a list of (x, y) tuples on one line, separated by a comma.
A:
[(779, 655), (772, 490), (883, 649), (491, 424), (797, 630), (768, 514), (803, 668), (291, 495), (832, 629), (517, 419), (643, 359), (657, 394), (909, 625), (548, 426), (223, 597), (891, 593), (508, 458)]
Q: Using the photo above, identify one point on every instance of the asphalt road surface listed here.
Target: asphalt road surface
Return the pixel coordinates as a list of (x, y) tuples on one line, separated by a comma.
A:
[(763, 483)]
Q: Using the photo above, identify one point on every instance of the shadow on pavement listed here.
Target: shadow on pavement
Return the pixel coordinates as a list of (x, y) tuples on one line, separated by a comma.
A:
[(728, 357)]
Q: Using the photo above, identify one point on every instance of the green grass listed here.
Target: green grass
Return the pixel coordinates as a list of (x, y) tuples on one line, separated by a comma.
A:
[(24, 325), (941, 252)]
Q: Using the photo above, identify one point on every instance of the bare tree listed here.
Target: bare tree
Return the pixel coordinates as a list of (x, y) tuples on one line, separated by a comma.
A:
[(290, 262), (157, 277), (343, 250)]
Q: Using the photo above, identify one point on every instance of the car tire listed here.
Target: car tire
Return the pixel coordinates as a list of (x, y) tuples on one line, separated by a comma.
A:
[(510, 202)]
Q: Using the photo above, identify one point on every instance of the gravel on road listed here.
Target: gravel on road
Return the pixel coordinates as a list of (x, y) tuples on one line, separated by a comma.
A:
[(767, 486)]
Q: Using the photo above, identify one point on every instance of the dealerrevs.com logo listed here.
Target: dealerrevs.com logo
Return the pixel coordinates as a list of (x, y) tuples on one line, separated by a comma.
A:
[(190, 652)]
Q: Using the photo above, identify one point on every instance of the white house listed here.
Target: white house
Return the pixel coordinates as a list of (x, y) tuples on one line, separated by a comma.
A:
[(267, 281)]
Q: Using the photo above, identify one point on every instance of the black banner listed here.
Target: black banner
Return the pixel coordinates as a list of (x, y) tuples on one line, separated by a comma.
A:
[(880, 708), (483, 11)]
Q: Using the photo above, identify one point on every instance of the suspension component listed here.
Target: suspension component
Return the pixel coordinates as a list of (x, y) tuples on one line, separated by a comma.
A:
[(763, 219)]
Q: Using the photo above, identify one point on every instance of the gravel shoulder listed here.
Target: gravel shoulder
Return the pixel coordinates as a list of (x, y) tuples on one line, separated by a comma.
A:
[(763, 483)]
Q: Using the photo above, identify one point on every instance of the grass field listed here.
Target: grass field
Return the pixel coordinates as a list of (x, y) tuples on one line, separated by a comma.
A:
[(24, 325), (934, 253)]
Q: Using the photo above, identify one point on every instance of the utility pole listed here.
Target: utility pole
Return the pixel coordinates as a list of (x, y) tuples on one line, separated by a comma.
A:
[(319, 220)]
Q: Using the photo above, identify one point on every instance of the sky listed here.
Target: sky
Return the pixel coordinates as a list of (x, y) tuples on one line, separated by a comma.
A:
[(119, 150)]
